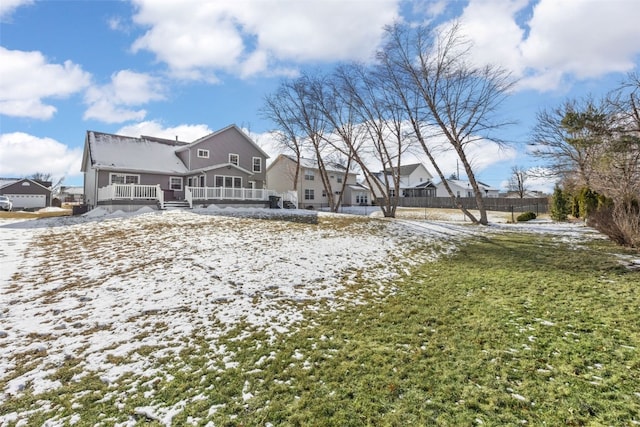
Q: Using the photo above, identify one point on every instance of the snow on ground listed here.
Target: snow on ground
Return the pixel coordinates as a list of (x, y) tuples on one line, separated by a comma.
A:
[(103, 285)]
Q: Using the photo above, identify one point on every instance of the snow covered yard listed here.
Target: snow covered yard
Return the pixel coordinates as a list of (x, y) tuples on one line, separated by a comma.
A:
[(115, 294), (99, 288)]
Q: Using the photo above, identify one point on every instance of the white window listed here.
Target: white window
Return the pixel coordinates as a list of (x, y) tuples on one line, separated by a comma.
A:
[(123, 178), (339, 180), (308, 194), (257, 164), (234, 159), (175, 183), (308, 175), (324, 193), (203, 154), (228, 181)]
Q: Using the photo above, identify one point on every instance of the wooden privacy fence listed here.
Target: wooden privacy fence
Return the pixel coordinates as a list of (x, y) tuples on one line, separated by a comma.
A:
[(503, 204)]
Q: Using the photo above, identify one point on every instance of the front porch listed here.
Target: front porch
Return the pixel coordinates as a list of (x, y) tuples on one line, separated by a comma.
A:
[(144, 194)]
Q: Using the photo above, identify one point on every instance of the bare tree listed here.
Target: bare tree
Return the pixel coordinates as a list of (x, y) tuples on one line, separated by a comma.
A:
[(47, 178), (456, 101), (379, 133), (518, 181), (278, 108), (304, 127)]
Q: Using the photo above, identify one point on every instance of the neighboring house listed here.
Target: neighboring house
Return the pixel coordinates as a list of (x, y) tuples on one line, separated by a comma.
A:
[(26, 193), (73, 195), (415, 181), (223, 168), (463, 189), (310, 190)]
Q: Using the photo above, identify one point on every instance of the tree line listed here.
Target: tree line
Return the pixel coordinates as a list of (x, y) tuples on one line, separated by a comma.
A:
[(422, 94), (593, 147)]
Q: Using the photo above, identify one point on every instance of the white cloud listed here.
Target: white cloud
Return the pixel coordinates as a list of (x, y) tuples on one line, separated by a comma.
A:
[(583, 38), (198, 39), (8, 6), (23, 155), (110, 103), (26, 79), (185, 133), (550, 42)]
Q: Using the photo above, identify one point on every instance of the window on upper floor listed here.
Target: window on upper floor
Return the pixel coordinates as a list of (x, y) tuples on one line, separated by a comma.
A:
[(234, 159), (203, 154), (257, 164), (309, 175)]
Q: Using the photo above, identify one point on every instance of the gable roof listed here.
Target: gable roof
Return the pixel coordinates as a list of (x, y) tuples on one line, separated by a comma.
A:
[(117, 152), (7, 182), (306, 163), (466, 184), (221, 131), (406, 170)]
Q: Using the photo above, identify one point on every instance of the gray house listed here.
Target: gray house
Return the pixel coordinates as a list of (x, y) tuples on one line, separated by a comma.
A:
[(223, 168), (26, 193)]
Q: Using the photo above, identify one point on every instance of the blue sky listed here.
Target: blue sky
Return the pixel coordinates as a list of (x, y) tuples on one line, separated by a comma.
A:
[(187, 68)]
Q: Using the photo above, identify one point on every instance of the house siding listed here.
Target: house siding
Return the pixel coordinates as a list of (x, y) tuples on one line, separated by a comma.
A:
[(220, 146), (282, 173), (145, 179), (90, 185), (171, 161), (31, 189)]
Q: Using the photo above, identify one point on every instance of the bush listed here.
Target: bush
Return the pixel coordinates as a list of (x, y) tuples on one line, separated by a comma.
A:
[(526, 216), (621, 223), (588, 202), (559, 205)]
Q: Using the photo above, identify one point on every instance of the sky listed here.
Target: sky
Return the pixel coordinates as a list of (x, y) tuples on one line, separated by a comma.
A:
[(188, 68)]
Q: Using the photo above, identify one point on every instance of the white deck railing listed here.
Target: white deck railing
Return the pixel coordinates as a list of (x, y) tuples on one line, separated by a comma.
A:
[(220, 193), (191, 194), (131, 192)]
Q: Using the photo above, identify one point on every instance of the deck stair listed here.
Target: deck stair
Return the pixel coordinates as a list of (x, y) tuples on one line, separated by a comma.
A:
[(176, 204)]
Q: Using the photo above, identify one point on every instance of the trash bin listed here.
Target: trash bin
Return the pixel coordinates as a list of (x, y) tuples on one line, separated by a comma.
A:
[(274, 202)]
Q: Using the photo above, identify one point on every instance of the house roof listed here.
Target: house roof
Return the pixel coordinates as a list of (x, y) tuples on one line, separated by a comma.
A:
[(72, 190), (358, 187), (6, 182), (406, 169), (466, 184), (218, 132), (424, 184), (313, 164), (119, 152)]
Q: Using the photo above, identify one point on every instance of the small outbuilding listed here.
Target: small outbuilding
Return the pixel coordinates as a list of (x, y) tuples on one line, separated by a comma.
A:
[(26, 193)]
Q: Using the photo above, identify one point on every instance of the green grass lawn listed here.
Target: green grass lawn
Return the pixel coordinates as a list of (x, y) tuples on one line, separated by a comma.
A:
[(513, 329)]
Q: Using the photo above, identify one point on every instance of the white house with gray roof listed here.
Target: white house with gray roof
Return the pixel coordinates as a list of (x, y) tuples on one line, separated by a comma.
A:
[(415, 181), (226, 168)]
